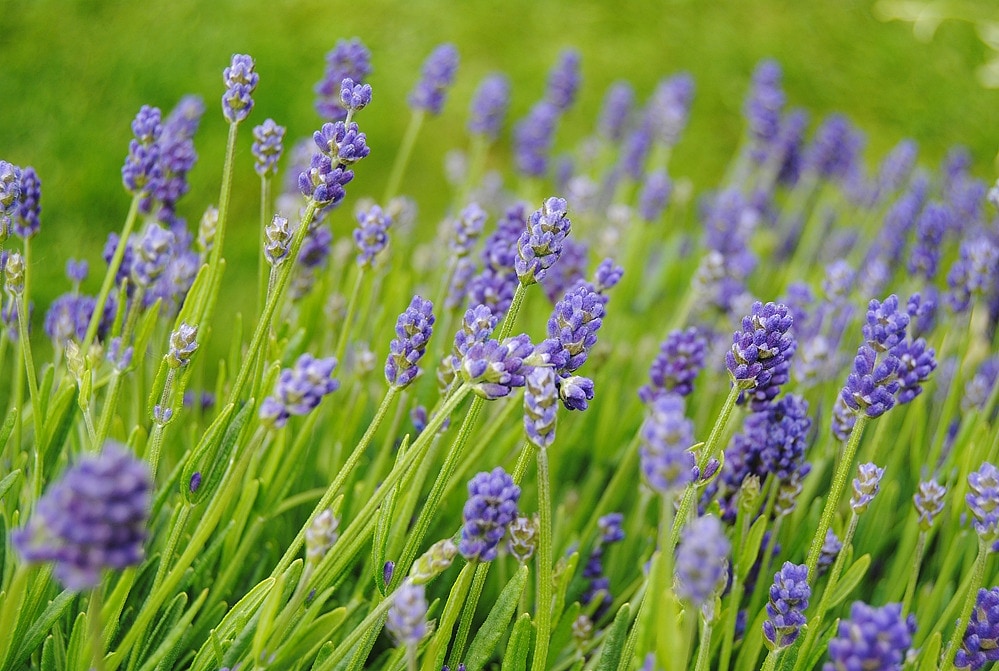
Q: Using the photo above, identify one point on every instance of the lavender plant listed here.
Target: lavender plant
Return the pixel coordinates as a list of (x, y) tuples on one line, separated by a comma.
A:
[(175, 492)]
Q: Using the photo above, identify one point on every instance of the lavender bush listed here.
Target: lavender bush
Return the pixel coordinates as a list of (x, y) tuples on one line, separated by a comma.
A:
[(819, 321)]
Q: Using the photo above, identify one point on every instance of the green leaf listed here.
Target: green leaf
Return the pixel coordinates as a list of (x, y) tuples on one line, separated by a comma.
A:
[(566, 570), (8, 482), (233, 622), (62, 412), (268, 612), (40, 627), (49, 662), (751, 547), (519, 645), (199, 455), (613, 645), (819, 650), (45, 390), (308, 640), (8, 426), (850, 579), (166, 653), (324, 653), (930, 655), (78, 655), (497, 622)]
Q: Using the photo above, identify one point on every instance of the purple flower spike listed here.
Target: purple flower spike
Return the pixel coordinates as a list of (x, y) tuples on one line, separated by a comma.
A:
[(491, 507), (929, 502), (77, 270), (563, 81), (299, 389), (865, 486), (886, 324), (614, 116), (760, 358), (240, 81), (267, 147), (702, 560), (324, 181), (349, 59), (371, 234), (92, 518), (27, 223), (654, 197), (607, 275), (666, 436), (353, 96), (183, 345), (540, 407), (975, 273), (835, 148), (152, 255), (343, 143), (407, 617), (413, 330), (872, 638), (493, 368), (489, 106), (831, 547), (467, 229), (574, 323), (872, 386), (789, 597), (681, 357), (541, 244), (142, 173), (670, 107), (983, 500), (533, 137), (981, 639), (915, 363), (763, 108), (438, 74)]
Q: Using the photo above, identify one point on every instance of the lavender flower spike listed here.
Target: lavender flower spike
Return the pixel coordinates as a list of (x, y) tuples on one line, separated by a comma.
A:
[(789, 597), (981, 639), (371, 234), (872, 638), (666, 435), (349, 59), (267, 147), (277, 240), (413, 330), (240, 81), (489, 107), (702, 560), (541, 244), (92, 518), (354, 96), (10, 196), (929, 502), (760, 358), (438, 74), (865, 486), (183, 345), (983, 499), (299, 389), (407, 618), (540, 407), (491, 507), (142, 173), (563, 81), (493, 368), (27, 223), (681, 357)]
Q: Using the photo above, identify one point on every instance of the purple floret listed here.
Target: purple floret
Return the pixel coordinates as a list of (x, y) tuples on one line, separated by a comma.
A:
[(349, 59), (789, 597), (240, 81), (268, 139), (413, 330), (438, 74), (299, 389), (760, 357), (980, 645), (872, 638)]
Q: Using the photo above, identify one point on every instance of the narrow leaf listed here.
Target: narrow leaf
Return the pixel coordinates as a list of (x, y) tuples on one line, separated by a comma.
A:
[(497, 622)]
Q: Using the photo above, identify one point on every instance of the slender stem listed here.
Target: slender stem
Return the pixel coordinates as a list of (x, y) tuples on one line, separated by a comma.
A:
[(29, 367), (215, 258), (468, 613), (770, 663), (429, 510), (977, 573), (708, 452), (111, 402), (704, 650), (95, 621), (910, 589), (434, 657), (338, 482), (543, 608), (159, 427), (341, 345), (511, 314), (402, 157), (262, 265), (835, 492), (109, 278)]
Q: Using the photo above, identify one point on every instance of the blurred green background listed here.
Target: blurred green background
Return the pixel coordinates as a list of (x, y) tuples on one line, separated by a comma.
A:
[(73, 75)]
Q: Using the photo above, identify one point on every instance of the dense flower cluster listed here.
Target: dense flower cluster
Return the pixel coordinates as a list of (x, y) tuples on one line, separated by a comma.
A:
[(412, 331), (490, 509), (299, 389)]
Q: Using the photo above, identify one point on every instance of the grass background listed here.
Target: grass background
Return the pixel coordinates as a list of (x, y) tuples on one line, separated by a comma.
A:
[(74, 74)]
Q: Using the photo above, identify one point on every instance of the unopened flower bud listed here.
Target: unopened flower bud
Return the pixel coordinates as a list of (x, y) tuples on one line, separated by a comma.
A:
[(320, 536), (434, 561), (523, 537), (14, 274)]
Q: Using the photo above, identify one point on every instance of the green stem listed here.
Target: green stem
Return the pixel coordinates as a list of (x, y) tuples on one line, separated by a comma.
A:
[(402, 157), (704, 650), (96, 628), (338, 482), (215, 258), (262, 265), (111, 402), (910, 589), (977, 574), (433, 659), (468, 613), (835, 492), (119, 254), (708, 452), (511, 314), (29, 367), (341, 345), (543, 609), (770, 663)]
